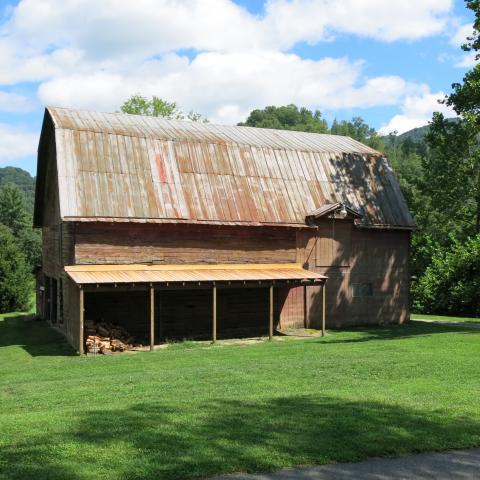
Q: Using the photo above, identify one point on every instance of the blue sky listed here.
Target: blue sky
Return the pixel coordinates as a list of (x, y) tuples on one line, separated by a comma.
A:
[(387, 62)]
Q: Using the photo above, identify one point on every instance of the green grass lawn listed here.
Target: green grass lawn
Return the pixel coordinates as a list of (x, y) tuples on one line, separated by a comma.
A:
[(195, 410), (443, 318)]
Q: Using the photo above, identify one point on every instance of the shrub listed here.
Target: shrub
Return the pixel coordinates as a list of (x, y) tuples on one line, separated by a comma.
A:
[(451, 284), (15, 277)]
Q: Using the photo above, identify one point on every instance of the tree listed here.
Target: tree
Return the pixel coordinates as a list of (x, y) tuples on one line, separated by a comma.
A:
[(455, 155), (450, 217), (451, 284), (359, 130), (157, 107), (288, 117), (454, 185), (15, 275), (13, 214), (23, 180), (31, 241), (12, 208)]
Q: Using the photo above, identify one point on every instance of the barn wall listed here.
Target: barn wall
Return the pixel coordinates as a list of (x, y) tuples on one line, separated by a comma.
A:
[(362, 257), (355, 256), (57, 251), (174, 244)]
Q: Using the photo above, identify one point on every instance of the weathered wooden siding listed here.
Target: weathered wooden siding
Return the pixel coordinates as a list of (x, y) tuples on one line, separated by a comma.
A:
[(348, 256), (57, 251), (173, 244)]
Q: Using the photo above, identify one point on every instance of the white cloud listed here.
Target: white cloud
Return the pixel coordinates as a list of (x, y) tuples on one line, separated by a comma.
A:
[(91, 54), (461, 34), (417, 110), (314, 20), (225, 86), (459, 38), (43, 37), (16, 143), (13, 102), (467, 61)]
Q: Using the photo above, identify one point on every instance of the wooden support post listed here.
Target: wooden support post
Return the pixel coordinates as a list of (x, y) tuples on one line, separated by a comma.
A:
[(305, 309), (214, 314), (270, 322), (160, 318), (323, 309), (81, 315), (50, 299), (152, 318)]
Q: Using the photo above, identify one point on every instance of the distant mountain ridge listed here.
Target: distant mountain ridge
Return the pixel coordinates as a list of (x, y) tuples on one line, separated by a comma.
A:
[(416, 135)]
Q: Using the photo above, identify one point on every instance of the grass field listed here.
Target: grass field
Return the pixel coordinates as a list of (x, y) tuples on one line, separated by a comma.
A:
[(195, 410), (443, 318)]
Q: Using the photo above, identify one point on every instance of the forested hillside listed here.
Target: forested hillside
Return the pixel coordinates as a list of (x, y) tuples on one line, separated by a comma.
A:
[(23, 180), (20, 244)]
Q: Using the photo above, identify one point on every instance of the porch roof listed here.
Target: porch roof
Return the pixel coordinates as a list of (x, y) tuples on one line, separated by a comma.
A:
[(147, 273)]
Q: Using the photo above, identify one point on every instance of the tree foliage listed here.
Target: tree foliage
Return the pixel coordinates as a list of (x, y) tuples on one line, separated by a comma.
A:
[(359, 130), (451, 284), (15, 276), (13, 213), (450, 190), (23, 180), (157, 107), (288, 117), (454, 185)]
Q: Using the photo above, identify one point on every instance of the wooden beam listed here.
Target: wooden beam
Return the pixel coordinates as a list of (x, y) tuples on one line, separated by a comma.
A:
[(81, 313), (323, 309), (214, 314), (152, 318), (270, 321), (305, 309), (160, 318)]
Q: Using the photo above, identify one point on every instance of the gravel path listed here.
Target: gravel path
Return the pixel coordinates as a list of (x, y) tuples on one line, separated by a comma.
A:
[(455, 464)]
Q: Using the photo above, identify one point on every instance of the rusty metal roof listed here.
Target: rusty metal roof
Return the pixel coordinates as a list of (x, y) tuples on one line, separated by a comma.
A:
[(113, 166), (93, 274)]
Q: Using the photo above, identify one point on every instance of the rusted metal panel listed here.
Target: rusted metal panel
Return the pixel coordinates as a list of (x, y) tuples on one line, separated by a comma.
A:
[(93, 274), (132, 167)]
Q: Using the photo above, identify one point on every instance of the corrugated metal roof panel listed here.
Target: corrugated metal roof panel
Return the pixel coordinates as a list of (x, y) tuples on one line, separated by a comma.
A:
[(112, 165), (160, 128), (93, 274)]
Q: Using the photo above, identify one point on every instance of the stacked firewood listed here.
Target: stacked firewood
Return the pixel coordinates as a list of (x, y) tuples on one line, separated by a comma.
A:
[(105, 337)]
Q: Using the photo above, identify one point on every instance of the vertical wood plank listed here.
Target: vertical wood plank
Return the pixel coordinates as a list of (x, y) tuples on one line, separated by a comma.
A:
[(214, 314), (152, 318), (160, 319), (270, 323), (81, 315), (323, 309), (305, 310)]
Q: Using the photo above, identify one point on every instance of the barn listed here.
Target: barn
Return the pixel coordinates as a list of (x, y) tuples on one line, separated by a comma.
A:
[(175, 229)]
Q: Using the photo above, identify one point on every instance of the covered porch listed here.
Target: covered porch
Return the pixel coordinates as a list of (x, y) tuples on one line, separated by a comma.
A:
[(161, 302)]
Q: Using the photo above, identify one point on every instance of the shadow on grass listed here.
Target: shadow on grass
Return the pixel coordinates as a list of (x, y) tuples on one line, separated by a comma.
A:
[(34, 336), (397, 332), (155, 440)]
